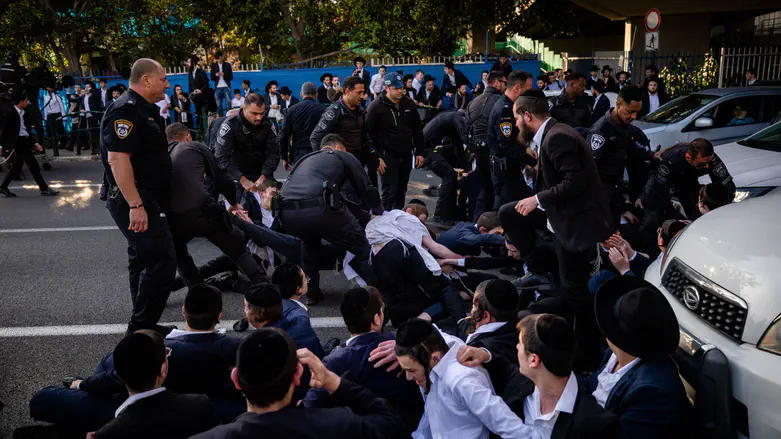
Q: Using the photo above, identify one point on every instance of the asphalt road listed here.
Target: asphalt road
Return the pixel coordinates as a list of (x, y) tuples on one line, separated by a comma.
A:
[(63, 290)]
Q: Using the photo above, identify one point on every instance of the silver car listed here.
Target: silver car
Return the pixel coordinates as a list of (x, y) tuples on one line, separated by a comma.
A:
[(720, 115)]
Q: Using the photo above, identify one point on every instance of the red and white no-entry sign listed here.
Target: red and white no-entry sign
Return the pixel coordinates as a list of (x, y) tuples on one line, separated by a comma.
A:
[(653, 18)]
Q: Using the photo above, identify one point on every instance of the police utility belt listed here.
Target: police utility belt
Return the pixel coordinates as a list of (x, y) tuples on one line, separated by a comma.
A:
[(499, 163), (330, 200)]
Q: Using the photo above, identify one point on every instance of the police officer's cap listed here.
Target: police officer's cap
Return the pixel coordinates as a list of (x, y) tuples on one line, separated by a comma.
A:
[(393, 79), (413, 332), (264, 358), (263, 295)]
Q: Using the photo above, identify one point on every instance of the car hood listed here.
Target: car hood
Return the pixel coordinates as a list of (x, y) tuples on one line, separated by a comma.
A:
[(649, 128), (749, 166), (738, 247)]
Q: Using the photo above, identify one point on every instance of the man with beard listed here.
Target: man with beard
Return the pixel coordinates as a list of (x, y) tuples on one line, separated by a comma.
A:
[(246, 146), (363, 312), (460, 401), (508, 155)]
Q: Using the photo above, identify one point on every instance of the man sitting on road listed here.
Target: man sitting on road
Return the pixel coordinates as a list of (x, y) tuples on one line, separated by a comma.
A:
[(268, 371), (362, 310)]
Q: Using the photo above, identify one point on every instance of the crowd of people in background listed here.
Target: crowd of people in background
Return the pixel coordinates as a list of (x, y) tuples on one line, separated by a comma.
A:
[(572, 344)]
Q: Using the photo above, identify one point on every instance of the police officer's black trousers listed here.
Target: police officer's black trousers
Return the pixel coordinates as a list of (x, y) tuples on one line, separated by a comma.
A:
[(300, 152), (575, 270), (409, 287), (615, 199), (395, 179), (509, 185), (485, 201), (523, 232), (338, 227), (23, 155), (438, 163), (151, 262), (213, 223)]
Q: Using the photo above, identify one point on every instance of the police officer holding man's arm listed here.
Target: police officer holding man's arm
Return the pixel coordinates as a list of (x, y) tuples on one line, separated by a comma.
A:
[(310, 208), (679, 172), (347, 118), (247, 147), (394, 127), (137, 166), (508, 156), (478, 112), (614, 141)]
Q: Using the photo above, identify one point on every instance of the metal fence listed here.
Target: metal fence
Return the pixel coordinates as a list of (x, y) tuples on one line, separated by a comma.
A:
[(733, 63)]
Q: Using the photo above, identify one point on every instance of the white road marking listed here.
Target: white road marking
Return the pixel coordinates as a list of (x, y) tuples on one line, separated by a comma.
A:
[(56, 331), (56, 186), (60, 229)]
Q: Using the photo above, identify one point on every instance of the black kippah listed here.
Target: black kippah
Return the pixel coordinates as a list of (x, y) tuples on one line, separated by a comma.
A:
[(534, 93), (264, 356), (554, 332), (413, 332), (502, 295), (263, 295), (355, 300)]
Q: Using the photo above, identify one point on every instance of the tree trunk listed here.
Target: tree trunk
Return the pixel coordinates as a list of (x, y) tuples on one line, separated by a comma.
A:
[(296, 28)]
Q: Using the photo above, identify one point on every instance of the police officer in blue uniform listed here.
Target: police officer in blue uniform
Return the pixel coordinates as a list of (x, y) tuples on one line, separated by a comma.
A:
[(508, 156), (311, 208), (614, 141), (678, 173), (137, 166)]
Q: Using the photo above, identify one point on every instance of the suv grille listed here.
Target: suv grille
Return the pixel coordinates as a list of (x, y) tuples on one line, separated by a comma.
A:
[(716, 306)]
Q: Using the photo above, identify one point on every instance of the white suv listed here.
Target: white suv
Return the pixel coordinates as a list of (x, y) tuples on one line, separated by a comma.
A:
[(722, 276)]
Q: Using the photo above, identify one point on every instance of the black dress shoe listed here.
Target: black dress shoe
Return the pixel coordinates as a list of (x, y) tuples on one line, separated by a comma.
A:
[(311, 298), (68, 381), (534, 281), (50, 193), (241, 326), (164, 330), (6, 192)]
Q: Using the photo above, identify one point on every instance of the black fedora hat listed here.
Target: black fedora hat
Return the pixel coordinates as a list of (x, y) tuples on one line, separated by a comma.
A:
[(634, 316), (608, 68), (285, 90), (622, 72)]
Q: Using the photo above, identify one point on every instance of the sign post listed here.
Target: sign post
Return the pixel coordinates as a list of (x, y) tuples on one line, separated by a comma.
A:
[(653, 18)]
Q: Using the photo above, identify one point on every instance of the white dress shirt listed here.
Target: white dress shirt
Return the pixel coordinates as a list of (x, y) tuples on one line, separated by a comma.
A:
[(751, 82), (488, 327), (103, 94), (607, 379), (237, 102), (542, 425), (22, 129), (378, 82), (137, 397), (178, 333), (274, 113), (86, 105), (416, 85), (221, 82), (163, 103), (52, 104), (462, 404), (653, 102), (306, 308)]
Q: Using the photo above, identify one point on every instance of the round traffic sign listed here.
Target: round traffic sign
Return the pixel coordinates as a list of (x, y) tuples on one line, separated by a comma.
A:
[(653, 18)]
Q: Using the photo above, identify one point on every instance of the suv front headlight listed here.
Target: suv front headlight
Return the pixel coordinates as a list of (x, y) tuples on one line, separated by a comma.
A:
[(771, 341), (744, 193)]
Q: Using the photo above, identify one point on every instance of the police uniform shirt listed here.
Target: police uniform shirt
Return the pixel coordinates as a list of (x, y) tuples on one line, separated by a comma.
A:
[(611, 142), (503, 134), (134, 126)]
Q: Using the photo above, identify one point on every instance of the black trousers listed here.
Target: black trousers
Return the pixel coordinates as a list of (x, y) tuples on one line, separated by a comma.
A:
[(395, 179), (338, 227), (299, 152), (523, 232), (409, 287), (371, 168), (575, 270), (615, 199), (56, 131), (485, 201), (22, 155), (151, 262), (93, 124), (509, 185), (441, 163), (213, 223)]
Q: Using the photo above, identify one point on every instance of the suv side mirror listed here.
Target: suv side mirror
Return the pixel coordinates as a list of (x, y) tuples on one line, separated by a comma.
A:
[(703, 122)]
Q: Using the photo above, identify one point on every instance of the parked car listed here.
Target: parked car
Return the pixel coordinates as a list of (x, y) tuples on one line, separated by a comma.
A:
[(721, 275), (720, 115), (754, 162)]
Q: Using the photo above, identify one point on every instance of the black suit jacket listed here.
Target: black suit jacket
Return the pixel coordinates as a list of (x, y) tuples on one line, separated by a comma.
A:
[(227, 71), (9, 128), (502, 341), (213, 353), (200, 82), (267, 103), (358, 415), (293, 101), (161, 416), (570, 189), (96, 103)]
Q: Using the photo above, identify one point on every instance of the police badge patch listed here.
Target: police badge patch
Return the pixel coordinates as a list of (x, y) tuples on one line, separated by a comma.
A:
[(328, 115), (122, 128), (507, 128), (664, 171), (720, 170), (224, 129), (596, 141)]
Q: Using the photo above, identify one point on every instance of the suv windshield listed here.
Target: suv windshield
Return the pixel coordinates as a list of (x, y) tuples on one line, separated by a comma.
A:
[(768, 139), (679, 108)]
